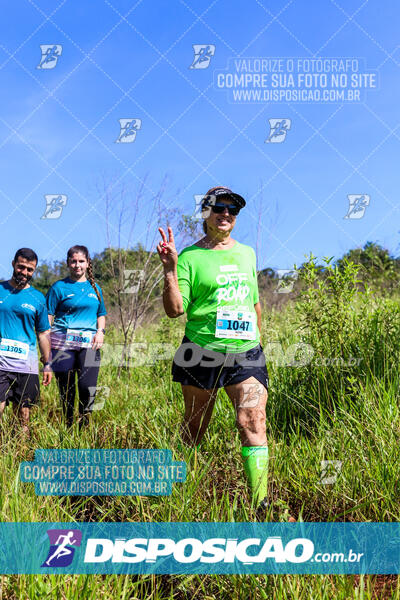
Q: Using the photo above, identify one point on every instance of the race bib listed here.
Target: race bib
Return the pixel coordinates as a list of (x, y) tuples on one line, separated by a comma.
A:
[(14, 349), (236, 324), (82, 338)]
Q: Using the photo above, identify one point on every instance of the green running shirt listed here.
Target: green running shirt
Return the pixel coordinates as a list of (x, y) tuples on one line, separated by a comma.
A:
[(223, 281)]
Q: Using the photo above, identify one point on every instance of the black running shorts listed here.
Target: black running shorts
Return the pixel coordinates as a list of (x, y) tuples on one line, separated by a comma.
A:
[(21, 388), (207, 369)]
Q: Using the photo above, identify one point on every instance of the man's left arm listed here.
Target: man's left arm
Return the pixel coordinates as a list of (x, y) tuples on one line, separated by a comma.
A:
[(45, 347)]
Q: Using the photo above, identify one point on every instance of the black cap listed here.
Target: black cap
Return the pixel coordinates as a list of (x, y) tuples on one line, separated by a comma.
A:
[(224, 192)]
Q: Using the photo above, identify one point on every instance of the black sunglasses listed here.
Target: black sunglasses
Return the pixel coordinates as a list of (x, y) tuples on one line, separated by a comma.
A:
[(219, 208)]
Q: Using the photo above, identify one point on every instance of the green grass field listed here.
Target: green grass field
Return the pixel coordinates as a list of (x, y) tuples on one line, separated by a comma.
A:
[(336, 410)]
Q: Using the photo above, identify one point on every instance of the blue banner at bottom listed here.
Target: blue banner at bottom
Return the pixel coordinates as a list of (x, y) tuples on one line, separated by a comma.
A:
[(208, 548)]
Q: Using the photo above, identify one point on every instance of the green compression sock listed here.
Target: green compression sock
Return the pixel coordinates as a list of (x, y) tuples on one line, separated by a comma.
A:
[(255, 460)]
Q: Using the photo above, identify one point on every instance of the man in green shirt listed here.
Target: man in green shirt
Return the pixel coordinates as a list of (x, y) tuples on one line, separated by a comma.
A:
[(215, 282)]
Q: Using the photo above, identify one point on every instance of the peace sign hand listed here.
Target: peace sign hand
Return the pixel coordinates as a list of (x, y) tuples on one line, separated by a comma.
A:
[(166, 249)]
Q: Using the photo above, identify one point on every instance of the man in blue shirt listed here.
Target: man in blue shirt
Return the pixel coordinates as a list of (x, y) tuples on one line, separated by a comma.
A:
[(23, 316)]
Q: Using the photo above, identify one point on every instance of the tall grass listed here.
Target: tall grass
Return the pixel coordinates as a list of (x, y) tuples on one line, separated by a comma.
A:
[(332, 410)]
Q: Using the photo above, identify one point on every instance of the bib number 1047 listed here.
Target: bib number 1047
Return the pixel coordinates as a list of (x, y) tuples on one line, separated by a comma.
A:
[(235, 324)]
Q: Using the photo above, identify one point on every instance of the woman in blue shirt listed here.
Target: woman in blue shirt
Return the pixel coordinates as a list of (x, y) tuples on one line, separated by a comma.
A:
[(77, 314)]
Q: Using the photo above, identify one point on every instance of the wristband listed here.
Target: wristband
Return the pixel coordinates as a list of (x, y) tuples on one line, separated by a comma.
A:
[(102, 331)]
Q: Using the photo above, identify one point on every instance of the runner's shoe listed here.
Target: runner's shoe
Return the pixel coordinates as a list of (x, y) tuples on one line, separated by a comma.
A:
[(267, 509)]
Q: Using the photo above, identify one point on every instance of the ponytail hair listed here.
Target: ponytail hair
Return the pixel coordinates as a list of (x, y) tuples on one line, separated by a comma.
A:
[(83, 250), (91, 278)]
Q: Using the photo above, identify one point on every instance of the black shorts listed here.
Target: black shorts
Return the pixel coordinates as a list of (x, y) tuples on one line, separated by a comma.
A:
[(207, 369), (21, 388)]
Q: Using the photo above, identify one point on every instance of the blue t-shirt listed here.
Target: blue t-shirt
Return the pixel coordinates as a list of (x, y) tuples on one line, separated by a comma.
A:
[(23, 314), (75, 307)]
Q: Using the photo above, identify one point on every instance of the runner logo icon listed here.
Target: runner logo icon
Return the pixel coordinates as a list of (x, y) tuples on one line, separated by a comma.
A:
[(357, 205), (54, 206), (202, 56), (61, 550), (278, 129), (128, 129), (50, 55)]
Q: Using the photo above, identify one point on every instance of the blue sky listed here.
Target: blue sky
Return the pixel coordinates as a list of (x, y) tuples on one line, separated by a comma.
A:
[(130, 60)]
